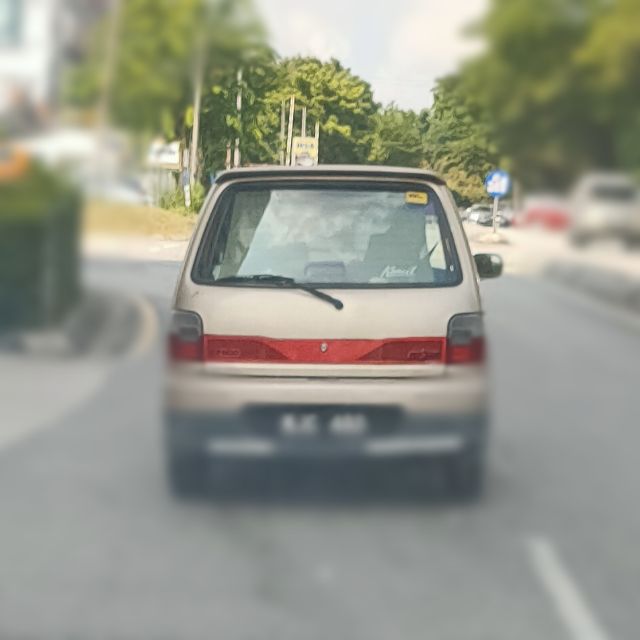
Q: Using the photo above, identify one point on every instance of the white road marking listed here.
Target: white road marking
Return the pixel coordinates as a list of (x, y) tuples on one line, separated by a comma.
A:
[(570, 604)]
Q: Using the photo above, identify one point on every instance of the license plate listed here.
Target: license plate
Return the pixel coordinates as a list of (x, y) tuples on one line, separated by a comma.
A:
[(309, 425)]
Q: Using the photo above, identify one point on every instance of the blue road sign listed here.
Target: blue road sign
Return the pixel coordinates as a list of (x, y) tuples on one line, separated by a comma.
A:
[(498, 184)]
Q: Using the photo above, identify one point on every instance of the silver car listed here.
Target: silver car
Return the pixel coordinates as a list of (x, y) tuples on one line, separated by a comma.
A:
[(605, 206), (328, 313)]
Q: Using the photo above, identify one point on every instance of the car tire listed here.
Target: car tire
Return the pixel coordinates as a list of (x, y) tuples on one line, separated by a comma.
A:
[(465, 475), (186, 474)]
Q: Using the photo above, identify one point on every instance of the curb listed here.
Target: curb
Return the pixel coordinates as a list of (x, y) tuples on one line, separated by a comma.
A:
[(103, 325)]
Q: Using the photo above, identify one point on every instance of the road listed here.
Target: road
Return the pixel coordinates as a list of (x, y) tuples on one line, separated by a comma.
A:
[(93, 547)]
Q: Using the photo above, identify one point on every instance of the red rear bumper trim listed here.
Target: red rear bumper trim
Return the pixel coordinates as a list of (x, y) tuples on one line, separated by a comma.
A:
[(259, 349)]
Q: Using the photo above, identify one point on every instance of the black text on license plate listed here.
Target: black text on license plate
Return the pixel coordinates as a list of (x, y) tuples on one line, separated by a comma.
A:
[(340, 424)]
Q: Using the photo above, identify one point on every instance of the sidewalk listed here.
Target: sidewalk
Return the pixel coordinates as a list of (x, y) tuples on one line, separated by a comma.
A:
[(143, 248), (533, 250), (609, 274)]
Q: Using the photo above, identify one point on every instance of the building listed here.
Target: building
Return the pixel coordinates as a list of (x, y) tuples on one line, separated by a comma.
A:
[(37, 39)]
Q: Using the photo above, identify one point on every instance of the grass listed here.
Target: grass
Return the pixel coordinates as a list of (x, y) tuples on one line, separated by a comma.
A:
[(133, 220)]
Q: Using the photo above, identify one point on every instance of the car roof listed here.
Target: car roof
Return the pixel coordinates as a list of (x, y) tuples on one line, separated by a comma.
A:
[(329, 171)]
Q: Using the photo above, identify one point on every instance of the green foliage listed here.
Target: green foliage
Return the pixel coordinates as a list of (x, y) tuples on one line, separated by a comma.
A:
[(457, 142), (559, 80), (174, 200), (29, 197), (159, 45), (39, 258), (220, 123), (398, 137), (555, 92), (340, 101)]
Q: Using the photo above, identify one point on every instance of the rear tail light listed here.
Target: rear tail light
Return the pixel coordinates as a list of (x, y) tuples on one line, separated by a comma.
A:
[(411, 351), (465, 339), (239, 349), (186, 337)]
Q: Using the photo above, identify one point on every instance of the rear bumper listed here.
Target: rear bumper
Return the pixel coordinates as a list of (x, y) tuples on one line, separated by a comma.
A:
[(461, 393), (232, 436)]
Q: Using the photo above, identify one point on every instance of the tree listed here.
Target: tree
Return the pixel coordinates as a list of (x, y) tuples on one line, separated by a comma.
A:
[(610, 59), (341, 102), (158, 43), (255, 126), (397, 137), (458, 142), (560, 81)]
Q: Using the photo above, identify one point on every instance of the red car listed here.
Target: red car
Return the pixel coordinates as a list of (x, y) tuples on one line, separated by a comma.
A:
[(548, 213)]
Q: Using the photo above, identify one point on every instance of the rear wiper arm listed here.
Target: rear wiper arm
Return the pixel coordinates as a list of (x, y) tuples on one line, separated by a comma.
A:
[(284, 281)]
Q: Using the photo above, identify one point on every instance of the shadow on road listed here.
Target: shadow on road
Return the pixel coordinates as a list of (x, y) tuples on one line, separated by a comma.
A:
[(330, 486)]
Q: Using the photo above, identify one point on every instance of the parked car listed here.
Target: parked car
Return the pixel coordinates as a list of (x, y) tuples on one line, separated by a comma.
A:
[(606, 206), (485, 218), (477, 211), (328, 313), (546, 211), (502, 219), (507, 216)]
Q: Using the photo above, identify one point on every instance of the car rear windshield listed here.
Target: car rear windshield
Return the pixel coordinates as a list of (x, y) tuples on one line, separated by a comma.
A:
[(617, 193), (360, 235)]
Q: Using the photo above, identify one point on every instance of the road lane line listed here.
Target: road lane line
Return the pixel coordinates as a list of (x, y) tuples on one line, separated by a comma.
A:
[(570, 604)]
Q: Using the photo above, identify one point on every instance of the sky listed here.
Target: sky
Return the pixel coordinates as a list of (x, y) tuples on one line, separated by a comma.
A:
[(400, 46)]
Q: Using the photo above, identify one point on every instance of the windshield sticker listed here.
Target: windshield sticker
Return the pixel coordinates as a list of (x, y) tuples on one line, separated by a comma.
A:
[(392, 271), (416, 197)]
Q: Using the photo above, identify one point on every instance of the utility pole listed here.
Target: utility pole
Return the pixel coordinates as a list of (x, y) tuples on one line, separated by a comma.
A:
[(283, 126), (304, 122), (292, 106), (110, 60), (236, 154), (197, 98), (108, 74), (227, 162)]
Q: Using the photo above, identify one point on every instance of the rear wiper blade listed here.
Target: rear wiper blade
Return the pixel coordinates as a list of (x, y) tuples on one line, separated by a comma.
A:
[(283, 281)]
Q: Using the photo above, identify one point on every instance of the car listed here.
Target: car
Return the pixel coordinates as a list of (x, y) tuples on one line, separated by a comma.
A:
[(605, 206), (545, 211), (485, 218), (507, 216), (327, 314), (477, 211), (503, 219)]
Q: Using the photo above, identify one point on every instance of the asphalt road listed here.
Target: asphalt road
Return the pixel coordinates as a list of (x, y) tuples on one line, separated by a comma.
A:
[(93, 547)]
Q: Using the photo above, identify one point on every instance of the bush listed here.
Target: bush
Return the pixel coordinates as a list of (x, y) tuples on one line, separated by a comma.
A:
[(174, 200), (39, 256)]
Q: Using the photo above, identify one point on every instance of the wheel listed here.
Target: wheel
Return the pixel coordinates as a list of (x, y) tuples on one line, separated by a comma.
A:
[(465, 475), (186, 474)]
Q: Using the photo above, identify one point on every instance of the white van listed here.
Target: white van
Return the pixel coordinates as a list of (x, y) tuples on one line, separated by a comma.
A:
[(328, 313), (605, 206)]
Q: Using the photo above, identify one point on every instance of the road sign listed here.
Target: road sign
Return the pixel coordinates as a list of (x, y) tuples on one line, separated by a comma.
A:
[(165, 155), (304, 151), (498, 184)]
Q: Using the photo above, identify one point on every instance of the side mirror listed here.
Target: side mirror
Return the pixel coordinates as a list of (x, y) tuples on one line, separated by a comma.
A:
[(489, 265)]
